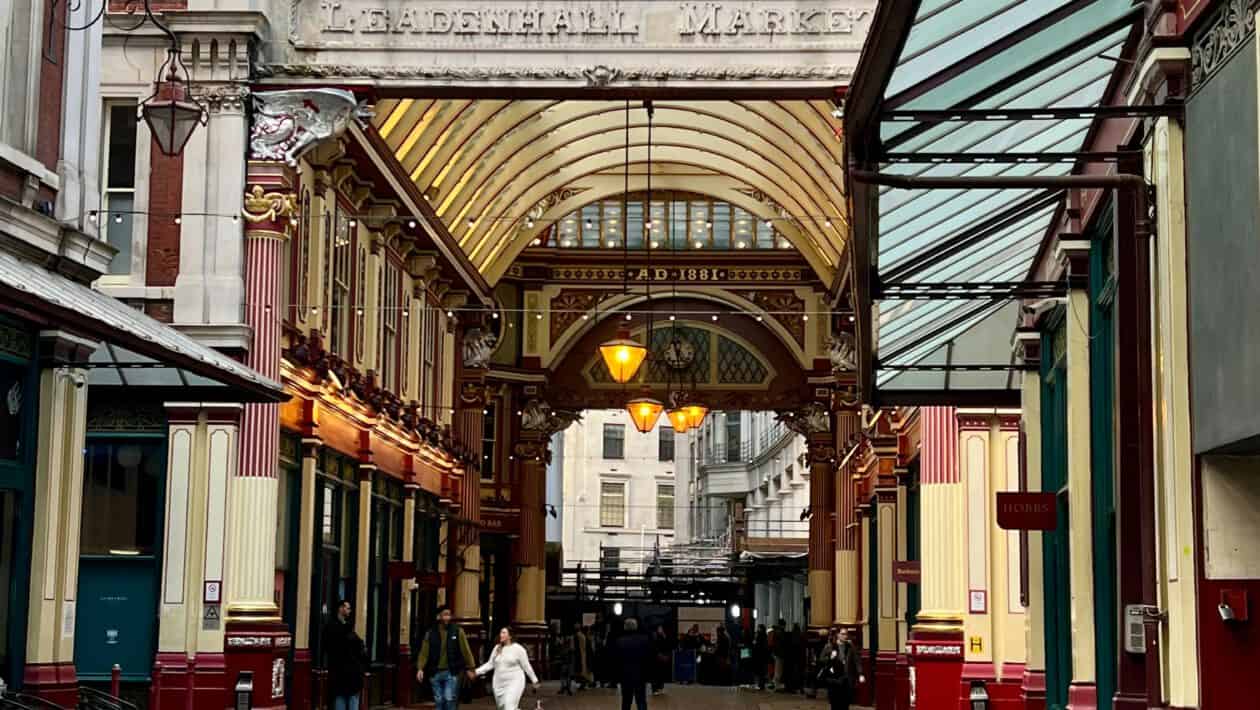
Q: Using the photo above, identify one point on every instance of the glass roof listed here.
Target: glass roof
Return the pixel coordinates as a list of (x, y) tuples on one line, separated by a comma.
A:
[(679, 221), (980, 54)]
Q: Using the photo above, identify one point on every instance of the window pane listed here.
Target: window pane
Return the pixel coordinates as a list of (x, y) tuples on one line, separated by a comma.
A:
[(488, 424), (614, 441), (118, 231), (665, 507), (120, 504), (667, 444), (121, 171), (612, 504)]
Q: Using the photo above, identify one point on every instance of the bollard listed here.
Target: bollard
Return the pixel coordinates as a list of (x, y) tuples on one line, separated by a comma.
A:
[(115, 680), (244, 691), (979, 697)]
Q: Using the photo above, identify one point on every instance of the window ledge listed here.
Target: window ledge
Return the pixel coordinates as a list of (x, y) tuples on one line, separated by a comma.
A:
[(28, 164)]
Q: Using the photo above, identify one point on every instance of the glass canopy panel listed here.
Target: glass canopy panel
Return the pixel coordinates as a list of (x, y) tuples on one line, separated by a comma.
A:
[(981, 54), (680, 221)]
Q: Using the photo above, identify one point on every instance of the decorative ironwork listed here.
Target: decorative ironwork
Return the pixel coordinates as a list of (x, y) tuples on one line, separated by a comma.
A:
[(737, 365), (104, 415), (784, 307), (568, 307), (1234, 24)]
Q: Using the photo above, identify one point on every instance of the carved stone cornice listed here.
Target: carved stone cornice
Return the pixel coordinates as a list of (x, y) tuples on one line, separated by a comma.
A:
[(591, 76), (220, 98)]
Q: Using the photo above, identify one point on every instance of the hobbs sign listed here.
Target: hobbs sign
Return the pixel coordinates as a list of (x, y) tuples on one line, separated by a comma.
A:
[(650, 21)]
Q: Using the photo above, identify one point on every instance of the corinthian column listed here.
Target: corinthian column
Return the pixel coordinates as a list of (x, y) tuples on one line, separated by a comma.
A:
[(813, 421)]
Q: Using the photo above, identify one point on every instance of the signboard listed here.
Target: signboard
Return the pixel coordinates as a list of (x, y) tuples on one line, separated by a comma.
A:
[(978, 601), (1027, 511), (936, 650), (212, 593), (909, 572)]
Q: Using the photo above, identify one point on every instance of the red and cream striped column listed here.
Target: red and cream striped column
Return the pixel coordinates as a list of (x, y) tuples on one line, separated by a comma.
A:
[(530, 456), (256, 639), (936, 640)]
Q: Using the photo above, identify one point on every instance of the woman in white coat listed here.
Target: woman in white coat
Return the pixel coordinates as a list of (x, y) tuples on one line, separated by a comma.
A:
[(510, 664)]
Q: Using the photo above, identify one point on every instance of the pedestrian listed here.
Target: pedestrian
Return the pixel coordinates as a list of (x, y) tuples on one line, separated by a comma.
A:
[(634, 655), (722, 652), (561, 654), (444, 658), (823, 658), (760, 656), (345, 659), (664, 654), (510, 664), (840, 673), (779, 648), (582, 646), (796, 660)]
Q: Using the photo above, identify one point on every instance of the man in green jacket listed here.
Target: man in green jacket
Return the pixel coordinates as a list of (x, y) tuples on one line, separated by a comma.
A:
[(444, 657)]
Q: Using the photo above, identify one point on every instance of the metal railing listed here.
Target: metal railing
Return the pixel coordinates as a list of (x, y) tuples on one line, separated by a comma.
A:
[(720, 452), (777, 528)]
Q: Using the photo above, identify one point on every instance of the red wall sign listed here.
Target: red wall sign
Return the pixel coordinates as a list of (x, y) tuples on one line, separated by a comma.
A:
[(908, 572), (1027, 511)]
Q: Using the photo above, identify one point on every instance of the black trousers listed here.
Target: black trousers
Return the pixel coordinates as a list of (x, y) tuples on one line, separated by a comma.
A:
[(637, 692)]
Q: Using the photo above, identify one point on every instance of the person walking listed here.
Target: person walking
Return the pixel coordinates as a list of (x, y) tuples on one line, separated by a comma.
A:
[(840, 672), (510, 663), (444, 657), (582, 656), (561, 654), (345, 659), (779, 649), (760, 656), (634, 658), (722, 652), (664, 654)]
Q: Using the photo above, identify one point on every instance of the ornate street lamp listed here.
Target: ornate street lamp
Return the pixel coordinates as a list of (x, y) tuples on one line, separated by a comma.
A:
[(171, 116), (695, 415), (623, 356), (644, 412), (678, 419)]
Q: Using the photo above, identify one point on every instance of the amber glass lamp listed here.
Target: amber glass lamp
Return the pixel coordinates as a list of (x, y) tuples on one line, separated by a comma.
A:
[(695, 415), (644, 412), (623, 356), (678, 419)]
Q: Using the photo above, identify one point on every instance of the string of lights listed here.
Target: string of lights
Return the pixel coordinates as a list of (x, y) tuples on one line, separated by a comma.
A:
[(538, 313), (352, 219)]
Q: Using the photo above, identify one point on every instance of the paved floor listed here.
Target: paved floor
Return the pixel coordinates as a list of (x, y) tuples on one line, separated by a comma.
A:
[(688, 697)]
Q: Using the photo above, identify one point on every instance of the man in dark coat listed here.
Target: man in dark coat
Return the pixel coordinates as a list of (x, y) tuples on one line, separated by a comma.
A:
[(664, 656), (345, 659), (841, 673), (634, 661)]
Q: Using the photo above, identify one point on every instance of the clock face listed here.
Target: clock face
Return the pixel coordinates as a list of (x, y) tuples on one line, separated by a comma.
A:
[(679, 354)]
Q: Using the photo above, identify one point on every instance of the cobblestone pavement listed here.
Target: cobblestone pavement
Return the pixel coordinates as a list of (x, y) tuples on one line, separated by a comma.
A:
[(675, 697)]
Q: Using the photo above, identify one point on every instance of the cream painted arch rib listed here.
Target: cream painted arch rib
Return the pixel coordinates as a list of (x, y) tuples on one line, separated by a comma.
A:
[(615, 305)]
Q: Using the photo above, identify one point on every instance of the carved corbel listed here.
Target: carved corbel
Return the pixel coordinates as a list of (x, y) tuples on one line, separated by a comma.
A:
[(288, 124)]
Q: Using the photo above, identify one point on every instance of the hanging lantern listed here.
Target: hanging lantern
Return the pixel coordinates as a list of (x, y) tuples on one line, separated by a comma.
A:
[(695, 415), (169, 113), (678, 419), (644, 412), (623, 356)]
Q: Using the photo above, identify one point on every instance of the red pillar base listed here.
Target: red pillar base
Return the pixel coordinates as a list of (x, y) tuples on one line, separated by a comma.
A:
[(886, 680), (865, 694), (404, 678), (1003, 694), (903, 682), (169, 686), (1033, 690), (262, 648), (1130, 702), (1082, 696), (300, 690), (56, 682), (936, 659)]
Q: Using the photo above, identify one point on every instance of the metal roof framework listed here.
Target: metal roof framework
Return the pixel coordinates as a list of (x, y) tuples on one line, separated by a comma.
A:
[(966, 123)]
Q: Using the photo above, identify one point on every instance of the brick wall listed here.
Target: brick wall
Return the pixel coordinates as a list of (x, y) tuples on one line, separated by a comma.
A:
[(166, 194)]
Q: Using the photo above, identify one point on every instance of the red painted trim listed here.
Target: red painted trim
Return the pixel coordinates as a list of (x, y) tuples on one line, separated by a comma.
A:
[(1033, 690), (886, 680), (403, 677), (1082, 696), (56, 682), (902, 682)]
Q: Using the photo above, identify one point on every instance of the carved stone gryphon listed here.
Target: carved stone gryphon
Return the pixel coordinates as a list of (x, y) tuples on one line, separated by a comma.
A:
[(843, 353), (288, 123), (537, 415), (478, 347), (813, 418)]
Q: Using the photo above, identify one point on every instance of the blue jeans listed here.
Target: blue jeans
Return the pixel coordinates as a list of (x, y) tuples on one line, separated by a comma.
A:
[(346, 702), (445, 690)]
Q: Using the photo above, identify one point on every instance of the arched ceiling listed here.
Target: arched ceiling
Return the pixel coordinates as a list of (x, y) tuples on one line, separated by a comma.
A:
[(498, 172)]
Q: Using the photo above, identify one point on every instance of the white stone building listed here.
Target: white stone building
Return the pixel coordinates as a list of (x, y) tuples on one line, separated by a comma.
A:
[(619, 487)]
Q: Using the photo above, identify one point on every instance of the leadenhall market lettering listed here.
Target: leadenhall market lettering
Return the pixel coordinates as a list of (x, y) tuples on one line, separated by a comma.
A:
[(691, 20)]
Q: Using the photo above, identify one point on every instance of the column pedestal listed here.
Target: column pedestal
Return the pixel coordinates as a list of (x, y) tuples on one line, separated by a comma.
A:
[(1082, 696), (1033, 690), (886, 680), (936, 657)]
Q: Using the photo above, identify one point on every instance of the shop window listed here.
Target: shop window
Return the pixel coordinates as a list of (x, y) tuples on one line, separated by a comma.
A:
[(612, 505), (665, 506), (614, 441), (734, 440), (118, 204), (666, 450), (489, 421), (121, 480), (19, 43)]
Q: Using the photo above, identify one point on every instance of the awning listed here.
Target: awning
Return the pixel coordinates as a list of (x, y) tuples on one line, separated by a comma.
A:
[(170, 355), (967, 89)]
